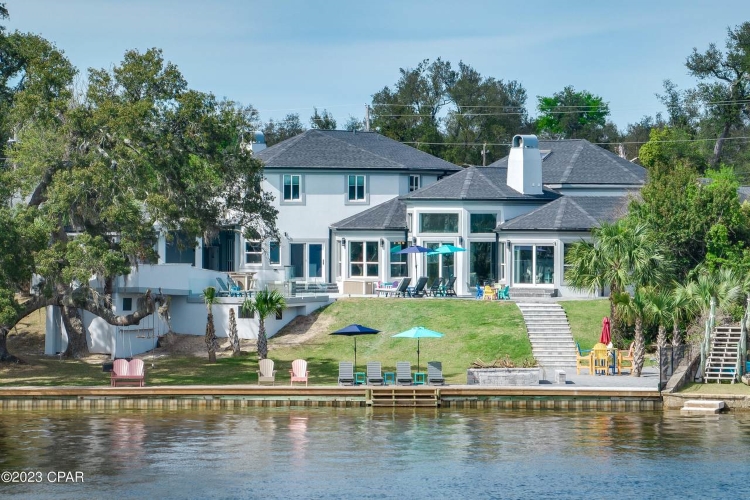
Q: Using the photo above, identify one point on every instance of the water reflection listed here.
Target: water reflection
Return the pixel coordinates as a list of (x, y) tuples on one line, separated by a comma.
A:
[(303, 453)]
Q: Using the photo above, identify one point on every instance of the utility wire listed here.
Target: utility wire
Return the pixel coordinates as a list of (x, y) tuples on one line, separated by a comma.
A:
[(597, 143)]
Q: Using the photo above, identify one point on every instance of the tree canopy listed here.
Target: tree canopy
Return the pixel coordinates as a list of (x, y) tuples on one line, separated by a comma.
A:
[(92, 176)]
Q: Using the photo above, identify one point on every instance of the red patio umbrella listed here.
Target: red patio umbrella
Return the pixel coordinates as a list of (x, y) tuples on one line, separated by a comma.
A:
[(606, 336)]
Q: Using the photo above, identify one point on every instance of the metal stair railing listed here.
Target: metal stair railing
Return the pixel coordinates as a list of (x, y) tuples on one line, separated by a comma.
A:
[(742, 344), (706, 343)]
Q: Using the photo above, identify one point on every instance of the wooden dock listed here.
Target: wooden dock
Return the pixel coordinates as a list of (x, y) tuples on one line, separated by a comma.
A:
[(239, 396)]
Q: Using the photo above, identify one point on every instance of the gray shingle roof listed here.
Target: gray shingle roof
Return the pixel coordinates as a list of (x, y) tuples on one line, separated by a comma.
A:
[(570, 213), (475, 183), (390, 215), (577, 161), (340, 149)]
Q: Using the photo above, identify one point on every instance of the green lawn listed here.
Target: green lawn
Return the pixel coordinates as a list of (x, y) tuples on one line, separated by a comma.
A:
[(734, 389), (473, 329), (585, 318)]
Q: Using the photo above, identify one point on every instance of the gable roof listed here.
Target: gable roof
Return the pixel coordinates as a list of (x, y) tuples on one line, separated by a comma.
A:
[(340, 149), (577, 161), (476, 183), (570, 213), (390, 216)]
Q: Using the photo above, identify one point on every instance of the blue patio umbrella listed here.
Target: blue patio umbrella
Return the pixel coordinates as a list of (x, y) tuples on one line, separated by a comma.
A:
[(415, 249), (442, 249), (418, 332), (353, 331)]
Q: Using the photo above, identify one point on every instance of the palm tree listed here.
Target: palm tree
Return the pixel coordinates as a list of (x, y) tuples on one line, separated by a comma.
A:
[(266, 302), (210, 298), (723, 285), (621, 254), (681, 311), (660, 308), (634, 310)]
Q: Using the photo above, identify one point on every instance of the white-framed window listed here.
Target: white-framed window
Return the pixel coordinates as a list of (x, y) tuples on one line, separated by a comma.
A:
[(292, 189), (414, 183), (501, 257), (356, 188), (363, 259), (253, 252), (274, 253)]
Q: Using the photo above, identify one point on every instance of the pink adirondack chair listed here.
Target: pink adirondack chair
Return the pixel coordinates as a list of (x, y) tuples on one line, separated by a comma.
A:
[(299, 371), (136, 372), (132, 373), (119, 371)]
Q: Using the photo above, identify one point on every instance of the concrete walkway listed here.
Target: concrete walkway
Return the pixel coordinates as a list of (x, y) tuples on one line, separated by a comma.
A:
[(649, 379)]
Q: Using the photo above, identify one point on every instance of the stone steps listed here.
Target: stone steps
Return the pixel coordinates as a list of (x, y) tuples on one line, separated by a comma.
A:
[(702, 407), (549, 333)]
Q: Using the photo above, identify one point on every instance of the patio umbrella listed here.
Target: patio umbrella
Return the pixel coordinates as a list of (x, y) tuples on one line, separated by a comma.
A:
[(446, 249), (417, 332), (414, 249), (606, 336), (353, 331)]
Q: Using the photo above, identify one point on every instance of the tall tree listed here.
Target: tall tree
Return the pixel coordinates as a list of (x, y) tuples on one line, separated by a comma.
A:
[(322, 121), (265, 303), (354, 124), (724, 87), (277, 131), (570, 114), (483, 110), (410, 111), (234, 338), (136, 151)]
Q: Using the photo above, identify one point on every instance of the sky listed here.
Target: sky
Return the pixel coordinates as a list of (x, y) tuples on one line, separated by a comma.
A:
[(286, 56)]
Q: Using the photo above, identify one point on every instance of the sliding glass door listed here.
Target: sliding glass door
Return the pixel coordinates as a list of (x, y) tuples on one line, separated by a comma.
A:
[(533, 264)]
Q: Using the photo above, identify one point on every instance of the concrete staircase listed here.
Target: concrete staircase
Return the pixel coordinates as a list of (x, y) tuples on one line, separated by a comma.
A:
[(721, 364), (549, 333), (702, 407)]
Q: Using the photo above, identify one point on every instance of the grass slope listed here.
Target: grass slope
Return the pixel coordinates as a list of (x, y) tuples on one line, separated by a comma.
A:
[(585, 318), (473, 329)]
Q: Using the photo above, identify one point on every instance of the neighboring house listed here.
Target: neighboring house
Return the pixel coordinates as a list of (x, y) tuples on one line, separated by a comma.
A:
[(515, 219)]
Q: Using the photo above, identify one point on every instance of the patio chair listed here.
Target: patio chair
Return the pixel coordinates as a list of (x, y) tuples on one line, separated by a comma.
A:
[(299, 371), (374, 373), (386, 288), (480, 292), (627, 357), (346, 373), (583, 359), (488, 293), (235, 289), (128, 373), (504, 293), (419, 290), (266, 373), (435, 373), (222, 290), (438, 287), (601, 360), (403, 288), (403, 373), (450, 291)]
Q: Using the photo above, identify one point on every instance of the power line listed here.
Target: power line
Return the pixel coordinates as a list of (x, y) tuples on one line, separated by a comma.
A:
[(478, 144)]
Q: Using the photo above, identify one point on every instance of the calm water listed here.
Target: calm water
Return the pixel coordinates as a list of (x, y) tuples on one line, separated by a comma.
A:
[(382, 453)]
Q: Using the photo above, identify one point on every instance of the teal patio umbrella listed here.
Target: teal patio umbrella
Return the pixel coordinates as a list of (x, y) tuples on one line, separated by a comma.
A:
[(418, 332), (446, 249)]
